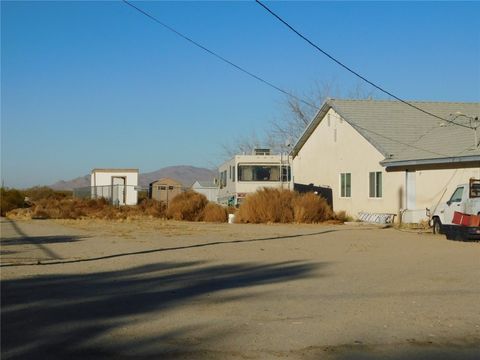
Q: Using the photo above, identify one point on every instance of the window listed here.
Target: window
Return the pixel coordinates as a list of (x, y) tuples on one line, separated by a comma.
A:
[(258, 173), (170, 187), (457, 195), (345, 185), (162, 188), (223, 178), (286, 173), (233, 173), (375, 184)]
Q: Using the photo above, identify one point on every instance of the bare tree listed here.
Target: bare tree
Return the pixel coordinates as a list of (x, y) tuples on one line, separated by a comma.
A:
[(297, 114), (244, 144), (287, 128)]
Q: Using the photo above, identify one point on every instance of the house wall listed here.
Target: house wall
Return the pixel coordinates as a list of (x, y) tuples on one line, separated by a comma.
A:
[(436, 186), (335, 147), (104, 178), (234, 187)]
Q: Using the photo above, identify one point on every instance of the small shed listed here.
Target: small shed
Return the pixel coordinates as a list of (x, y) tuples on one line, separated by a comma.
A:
[(165, 189), (207, 188), (116, 185)]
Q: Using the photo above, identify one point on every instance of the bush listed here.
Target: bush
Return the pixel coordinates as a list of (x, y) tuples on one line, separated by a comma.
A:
[(11, 199), (43, 192), (311, 208), (153, 208), (215, 213), (187, 206), (51, 208), (283, 206), (267, 206), (19, 214), (342, 216)]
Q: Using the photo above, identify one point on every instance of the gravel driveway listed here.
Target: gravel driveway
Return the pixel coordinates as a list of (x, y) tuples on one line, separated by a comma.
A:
[(154, 289)]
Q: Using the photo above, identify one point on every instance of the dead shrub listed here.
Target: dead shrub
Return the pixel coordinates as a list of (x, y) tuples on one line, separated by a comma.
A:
[(311, 208), (267, 205), (19, 214), (187, 206), (10, 199), (40, 213), (342, 216), (52, 208), (43, 192), (153, 208), (215, 213), (270, 205)]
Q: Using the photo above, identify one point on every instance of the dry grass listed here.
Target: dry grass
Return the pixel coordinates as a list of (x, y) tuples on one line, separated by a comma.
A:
[(10, 199), (43, 192), (342, 216), (215, 213), (153, 208), (188, 205), (283, 206), (52, 208), (267, 206), (311, 208)]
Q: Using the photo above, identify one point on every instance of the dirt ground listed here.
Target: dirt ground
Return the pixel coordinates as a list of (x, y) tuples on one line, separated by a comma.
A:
[(155, 289)]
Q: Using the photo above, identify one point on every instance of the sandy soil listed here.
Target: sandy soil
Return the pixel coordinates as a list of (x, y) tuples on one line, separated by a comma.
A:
[(157, 289)]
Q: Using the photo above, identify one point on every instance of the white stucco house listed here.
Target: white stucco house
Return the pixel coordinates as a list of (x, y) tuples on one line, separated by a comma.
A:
[(245, 174), (207, 188), (117, 185), (384, 157)]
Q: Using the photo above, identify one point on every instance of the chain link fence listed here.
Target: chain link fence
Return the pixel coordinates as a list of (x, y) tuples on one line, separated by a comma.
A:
[(115, 194)]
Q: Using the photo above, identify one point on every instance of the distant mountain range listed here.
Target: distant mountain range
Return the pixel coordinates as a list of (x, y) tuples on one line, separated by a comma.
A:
[(187, 175)]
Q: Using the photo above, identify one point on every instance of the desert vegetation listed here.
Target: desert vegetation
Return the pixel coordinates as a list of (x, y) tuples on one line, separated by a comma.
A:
[(265, 206), (71, 208), (284, 206), (45, 203), (11, 199), (15, 199), (193, 206)]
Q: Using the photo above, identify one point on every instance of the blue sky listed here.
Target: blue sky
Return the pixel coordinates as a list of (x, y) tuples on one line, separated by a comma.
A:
[(96, 84)]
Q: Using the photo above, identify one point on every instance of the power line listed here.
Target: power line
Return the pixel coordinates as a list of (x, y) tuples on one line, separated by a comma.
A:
[(331, 57), (259, 78), (217, 55)]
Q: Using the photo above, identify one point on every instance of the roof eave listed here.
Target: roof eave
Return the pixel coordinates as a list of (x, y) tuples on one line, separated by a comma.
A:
[(435, 163), (311, 128)]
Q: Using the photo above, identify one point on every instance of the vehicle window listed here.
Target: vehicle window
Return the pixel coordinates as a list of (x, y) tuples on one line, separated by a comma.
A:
[(475, 189), (258, 173), (457, 195)]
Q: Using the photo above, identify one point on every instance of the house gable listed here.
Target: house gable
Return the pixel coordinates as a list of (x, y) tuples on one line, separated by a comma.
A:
[(334, 148)]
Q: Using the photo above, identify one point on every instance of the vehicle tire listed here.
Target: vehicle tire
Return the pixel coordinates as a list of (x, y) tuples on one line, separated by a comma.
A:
[(437, 226)]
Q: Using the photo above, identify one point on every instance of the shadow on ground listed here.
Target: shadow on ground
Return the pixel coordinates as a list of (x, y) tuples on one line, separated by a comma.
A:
[(465, 349), (40, 240), (62, 316)]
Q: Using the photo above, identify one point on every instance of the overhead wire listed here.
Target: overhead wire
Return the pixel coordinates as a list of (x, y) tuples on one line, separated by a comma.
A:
[(331, 57), (266, 82), (216, 55)]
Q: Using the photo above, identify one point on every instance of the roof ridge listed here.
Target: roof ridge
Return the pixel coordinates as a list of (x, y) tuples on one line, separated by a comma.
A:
[(409, 101)]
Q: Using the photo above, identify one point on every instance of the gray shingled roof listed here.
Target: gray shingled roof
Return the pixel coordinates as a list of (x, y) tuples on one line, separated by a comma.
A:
[(402, 133)]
